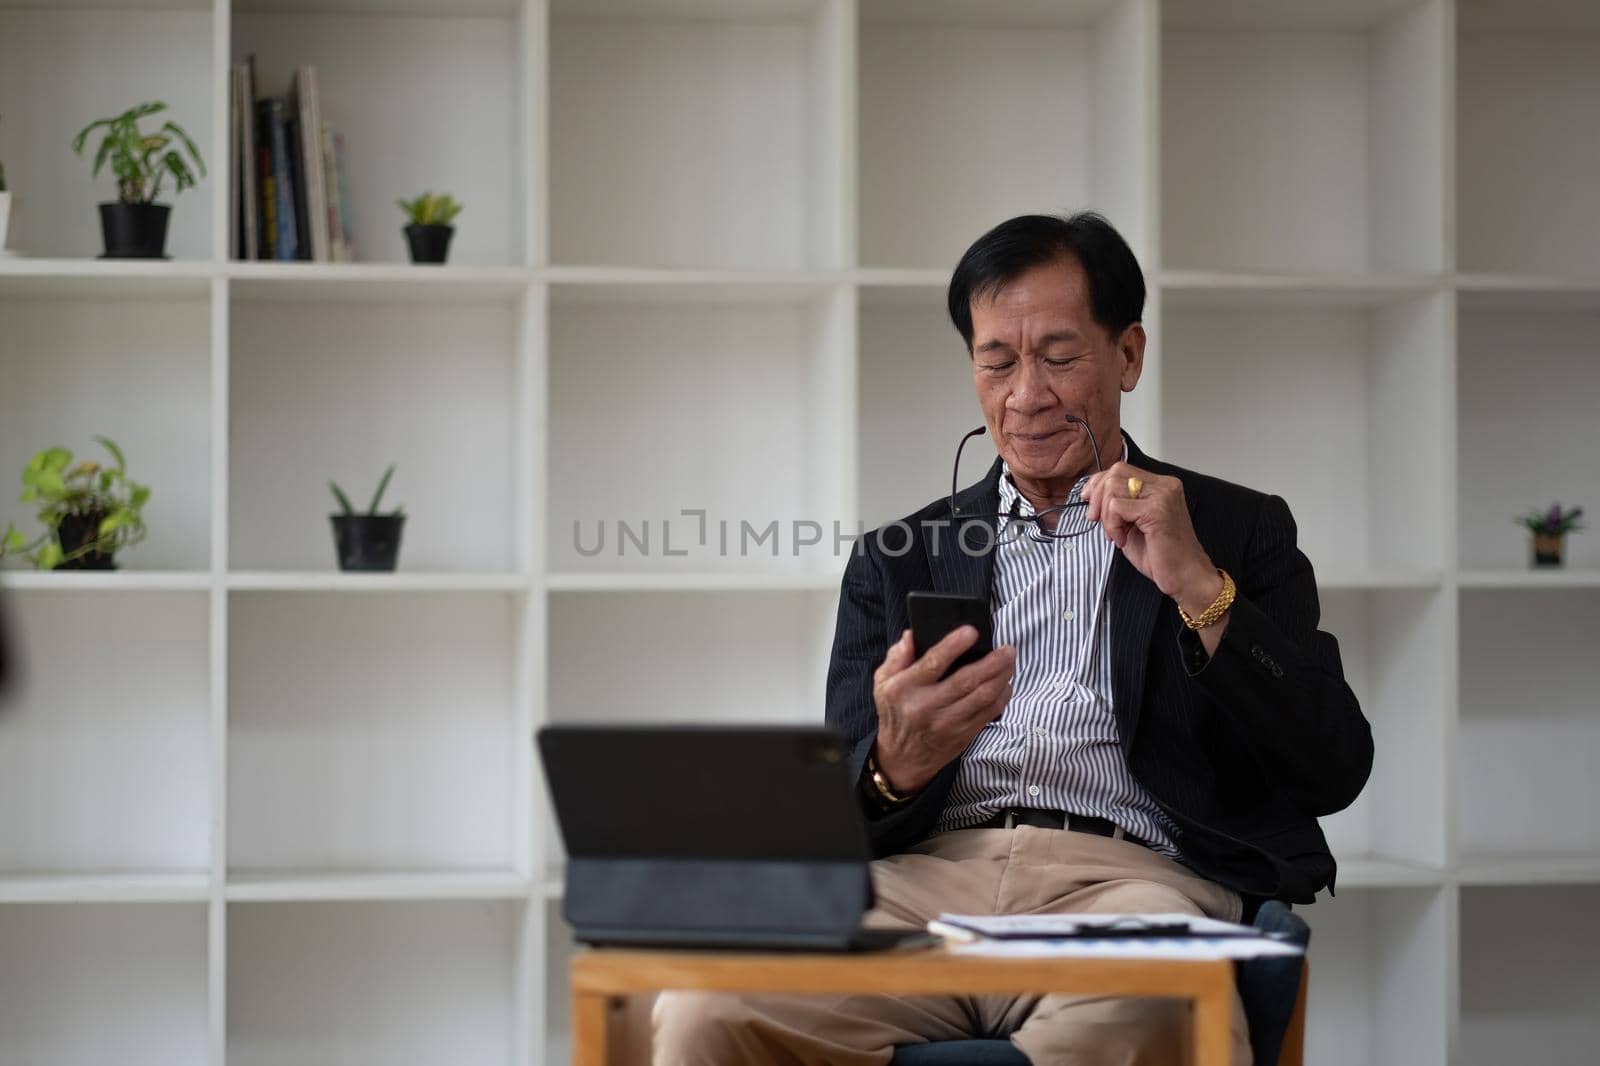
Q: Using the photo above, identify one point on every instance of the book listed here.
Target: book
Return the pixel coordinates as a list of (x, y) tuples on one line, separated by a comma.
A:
[(337, 249), (346, 208), (297, 182), (278, 190), (235, 217), (249, 169), (311, 181)]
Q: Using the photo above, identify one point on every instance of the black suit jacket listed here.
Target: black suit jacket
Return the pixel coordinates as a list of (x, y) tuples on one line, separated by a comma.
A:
[(1244, 749)]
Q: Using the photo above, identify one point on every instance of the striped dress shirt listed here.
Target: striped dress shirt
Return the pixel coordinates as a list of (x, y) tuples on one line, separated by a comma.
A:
[(1055, 746)]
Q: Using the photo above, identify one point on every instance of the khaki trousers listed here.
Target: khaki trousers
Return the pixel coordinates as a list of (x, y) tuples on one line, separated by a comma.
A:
[(1025, 870)]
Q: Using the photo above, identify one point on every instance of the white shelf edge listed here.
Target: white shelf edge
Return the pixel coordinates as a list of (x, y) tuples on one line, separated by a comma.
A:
[(312, 581), (270, 272), (21, 266), (1474, 281), (1528, 579), (263, 270), (1377, 871), (369, 273), (509, 276), (1531, 869), (691, 582), (106, 581), (1379, 580), (902, 277), (670, 276), (1184, 289), (185, 887), (1171, 280), (1271, 281), (313, 887)]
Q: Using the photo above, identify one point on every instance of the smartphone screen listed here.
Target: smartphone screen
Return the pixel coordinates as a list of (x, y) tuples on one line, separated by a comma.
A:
[(935, 614)]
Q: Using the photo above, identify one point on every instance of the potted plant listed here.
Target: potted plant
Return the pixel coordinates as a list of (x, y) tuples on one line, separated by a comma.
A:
[(5, 208), (90, 512), (1549, 529), (368, 541), (135, 226), (430, 230)]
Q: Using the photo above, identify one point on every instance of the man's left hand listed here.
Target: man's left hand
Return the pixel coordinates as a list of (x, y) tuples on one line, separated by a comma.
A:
[(1155, 533)]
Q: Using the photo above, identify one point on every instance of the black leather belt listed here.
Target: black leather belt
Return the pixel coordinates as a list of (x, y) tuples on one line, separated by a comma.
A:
[(1011, 817)]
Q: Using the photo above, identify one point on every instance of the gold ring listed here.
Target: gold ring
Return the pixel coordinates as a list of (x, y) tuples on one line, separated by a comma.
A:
[(1135, 486)]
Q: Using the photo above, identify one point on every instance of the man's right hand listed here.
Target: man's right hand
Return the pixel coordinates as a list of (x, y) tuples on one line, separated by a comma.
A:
[(923, 722)]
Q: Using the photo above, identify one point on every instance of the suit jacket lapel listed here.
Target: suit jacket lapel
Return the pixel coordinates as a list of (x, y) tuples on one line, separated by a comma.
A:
[(968, 569), (1135, 603)]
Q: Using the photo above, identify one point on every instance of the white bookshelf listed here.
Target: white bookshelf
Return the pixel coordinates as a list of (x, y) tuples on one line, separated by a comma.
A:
[(702, 266)]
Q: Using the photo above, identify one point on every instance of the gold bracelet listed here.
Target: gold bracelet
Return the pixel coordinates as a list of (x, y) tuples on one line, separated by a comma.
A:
[(1219, 606), (881, 784)]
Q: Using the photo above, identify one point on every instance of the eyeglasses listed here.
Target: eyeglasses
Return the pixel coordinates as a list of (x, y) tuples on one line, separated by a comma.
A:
[(1053, 514)]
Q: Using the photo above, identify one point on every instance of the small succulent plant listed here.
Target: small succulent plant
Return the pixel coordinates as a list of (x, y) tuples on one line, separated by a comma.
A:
[(431, 210), (1553, 522), (377, 498)]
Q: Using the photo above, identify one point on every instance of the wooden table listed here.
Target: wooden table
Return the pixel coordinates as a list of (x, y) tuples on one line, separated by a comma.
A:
[(600, 976)]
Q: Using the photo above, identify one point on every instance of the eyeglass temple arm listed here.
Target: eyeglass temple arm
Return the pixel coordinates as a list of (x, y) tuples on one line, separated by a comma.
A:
[(955, 472)]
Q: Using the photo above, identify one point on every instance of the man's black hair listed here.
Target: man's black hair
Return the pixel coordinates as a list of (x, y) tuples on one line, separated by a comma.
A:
[(1017, 245)]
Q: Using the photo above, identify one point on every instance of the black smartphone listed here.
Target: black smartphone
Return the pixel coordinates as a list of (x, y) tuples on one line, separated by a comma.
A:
[(935, 614)]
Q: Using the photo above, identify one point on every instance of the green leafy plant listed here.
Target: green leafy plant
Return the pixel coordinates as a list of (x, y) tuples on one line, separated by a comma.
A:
[(1554, 522), (141, 160), (431, 210), (372, 510), (87, 490)]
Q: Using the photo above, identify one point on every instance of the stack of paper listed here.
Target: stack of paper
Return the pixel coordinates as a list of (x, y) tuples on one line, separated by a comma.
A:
[(1123, 936)]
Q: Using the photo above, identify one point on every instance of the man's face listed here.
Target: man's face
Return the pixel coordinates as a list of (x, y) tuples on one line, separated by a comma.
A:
[(1037, 356)]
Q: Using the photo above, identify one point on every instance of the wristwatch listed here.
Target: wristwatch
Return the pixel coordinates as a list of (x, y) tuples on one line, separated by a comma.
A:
[(880, 795)]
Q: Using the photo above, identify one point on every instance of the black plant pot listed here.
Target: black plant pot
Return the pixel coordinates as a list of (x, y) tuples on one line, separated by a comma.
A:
[(429, 244), (367, 542), (135, 231), (1547, 548), (73, 533)]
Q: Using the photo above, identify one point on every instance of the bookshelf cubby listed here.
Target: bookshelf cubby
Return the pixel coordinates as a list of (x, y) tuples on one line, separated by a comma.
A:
[(66, 65), (104, 747), (426, 99), (641, 95), (98, 981), (702, 265), (343, 759), (134, 368), (342, 390), (1526, 967), (427, 982), (1368, 382), (1303, 137)]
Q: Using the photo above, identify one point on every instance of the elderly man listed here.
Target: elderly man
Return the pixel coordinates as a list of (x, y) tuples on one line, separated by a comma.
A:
[(1158, 728)]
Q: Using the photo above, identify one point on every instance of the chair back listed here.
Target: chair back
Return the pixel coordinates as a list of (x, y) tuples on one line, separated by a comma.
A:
[(1272, 990)]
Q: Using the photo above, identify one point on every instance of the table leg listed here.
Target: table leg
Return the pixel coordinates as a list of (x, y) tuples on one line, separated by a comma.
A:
[(589, 1029), (1213, 1027)]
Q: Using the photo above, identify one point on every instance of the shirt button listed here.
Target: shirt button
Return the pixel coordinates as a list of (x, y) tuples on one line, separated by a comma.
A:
[(1040, 731), (1061, 686), (1068, 615), (1033, 790)]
